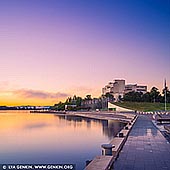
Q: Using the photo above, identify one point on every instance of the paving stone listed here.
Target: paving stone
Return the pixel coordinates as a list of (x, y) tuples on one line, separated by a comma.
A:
[(145, 149)]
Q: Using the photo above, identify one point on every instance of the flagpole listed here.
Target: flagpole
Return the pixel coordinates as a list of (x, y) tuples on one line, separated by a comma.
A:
[(165, 100), (165, 94)]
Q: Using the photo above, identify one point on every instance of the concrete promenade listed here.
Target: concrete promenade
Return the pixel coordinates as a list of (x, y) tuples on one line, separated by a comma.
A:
[(145, 148)]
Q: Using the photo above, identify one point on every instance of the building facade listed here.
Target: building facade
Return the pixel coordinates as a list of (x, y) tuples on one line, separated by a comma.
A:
[(118, 88), (115, 88), (135, 88)]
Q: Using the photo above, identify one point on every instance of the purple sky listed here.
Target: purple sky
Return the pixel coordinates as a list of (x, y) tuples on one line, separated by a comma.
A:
[(60, 48)]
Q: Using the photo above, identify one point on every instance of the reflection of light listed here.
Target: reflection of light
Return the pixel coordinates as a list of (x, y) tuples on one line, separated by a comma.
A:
[(17, 121), (28, 132), (47, 137)]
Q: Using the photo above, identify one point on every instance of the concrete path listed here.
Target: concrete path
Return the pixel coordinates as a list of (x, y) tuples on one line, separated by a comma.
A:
[(145, 148)]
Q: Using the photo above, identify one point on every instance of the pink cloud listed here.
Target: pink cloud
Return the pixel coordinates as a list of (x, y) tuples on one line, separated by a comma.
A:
[(28, 93)]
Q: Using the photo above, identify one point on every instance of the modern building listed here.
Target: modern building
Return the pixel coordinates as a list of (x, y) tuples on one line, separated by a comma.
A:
[(115, 88), (135, 88), (108, 88), (142, 89), (118, 88)]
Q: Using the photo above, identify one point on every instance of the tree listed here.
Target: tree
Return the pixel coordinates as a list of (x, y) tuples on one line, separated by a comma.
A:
[(155, 94), (109, 96), (59, 106), (88, 97), (78, 101), (120, 98), (133, 96), (68, 100), (146, 97)]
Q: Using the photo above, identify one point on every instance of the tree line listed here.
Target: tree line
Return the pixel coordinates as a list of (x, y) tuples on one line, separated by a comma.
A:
[(75, 102), (153, 96), (70, 102)]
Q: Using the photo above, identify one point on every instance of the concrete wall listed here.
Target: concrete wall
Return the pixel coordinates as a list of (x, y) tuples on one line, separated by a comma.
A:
[(118, 108)]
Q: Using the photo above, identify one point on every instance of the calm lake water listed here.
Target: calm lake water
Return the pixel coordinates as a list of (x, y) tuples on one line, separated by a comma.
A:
[(47, 138)]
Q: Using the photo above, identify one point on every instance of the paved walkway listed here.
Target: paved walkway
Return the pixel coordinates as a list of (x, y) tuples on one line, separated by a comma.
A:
[(145, 148)]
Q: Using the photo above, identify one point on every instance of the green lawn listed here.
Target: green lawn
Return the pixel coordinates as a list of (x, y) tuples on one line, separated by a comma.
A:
[(143, 106)]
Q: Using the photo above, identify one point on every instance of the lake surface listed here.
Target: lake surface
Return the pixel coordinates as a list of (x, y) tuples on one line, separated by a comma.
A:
[(47, 138)]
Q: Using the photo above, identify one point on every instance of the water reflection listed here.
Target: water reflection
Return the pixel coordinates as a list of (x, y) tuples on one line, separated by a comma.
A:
[(110, 127), (36, 125), (40, 138)]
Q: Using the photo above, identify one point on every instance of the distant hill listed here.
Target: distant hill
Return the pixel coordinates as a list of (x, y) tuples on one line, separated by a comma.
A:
[(143, 106)]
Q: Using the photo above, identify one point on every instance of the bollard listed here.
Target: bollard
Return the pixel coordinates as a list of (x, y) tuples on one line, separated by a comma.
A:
[(107, 149), (87, 162), (126, 128), (120, 134), (129, 123)]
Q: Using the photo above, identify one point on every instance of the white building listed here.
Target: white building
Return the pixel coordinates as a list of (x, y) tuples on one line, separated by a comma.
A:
[(118, 88), (115, 88), (108, 88), (135, 88)]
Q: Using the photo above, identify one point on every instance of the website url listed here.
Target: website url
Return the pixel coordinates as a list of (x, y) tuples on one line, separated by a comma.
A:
[(38, 166)]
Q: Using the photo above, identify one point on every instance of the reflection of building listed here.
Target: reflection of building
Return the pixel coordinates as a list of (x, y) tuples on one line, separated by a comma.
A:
[(110, 128), (118, 88)]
